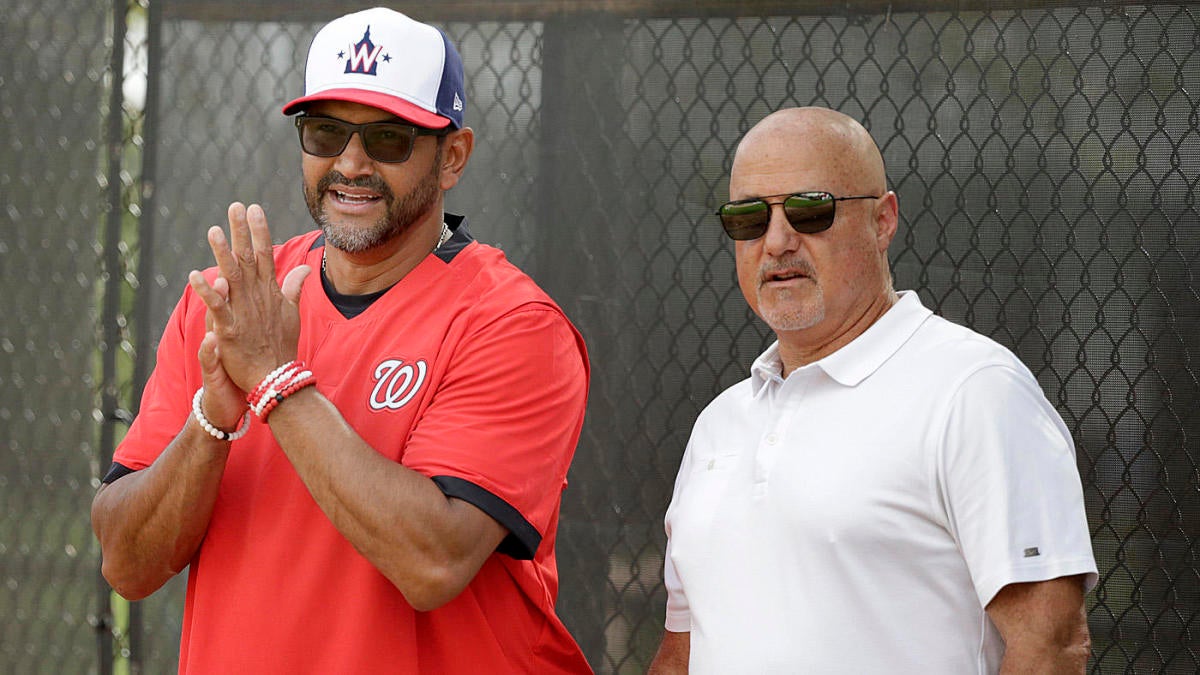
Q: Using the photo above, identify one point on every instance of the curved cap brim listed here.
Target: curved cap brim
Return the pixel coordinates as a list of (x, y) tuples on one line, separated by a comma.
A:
[(386, 102)]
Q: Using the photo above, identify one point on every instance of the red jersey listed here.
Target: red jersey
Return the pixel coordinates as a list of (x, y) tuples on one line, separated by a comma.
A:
[(464, 371)]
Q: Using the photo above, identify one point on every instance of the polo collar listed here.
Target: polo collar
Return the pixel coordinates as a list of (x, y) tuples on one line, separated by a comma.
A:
[(856, 361), (767, 369)]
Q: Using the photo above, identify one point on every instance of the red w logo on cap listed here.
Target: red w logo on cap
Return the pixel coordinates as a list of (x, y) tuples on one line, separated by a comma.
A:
[(363, 56)]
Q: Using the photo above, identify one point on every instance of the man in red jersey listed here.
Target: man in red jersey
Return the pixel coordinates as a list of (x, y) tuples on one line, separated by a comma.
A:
[(357, 441)]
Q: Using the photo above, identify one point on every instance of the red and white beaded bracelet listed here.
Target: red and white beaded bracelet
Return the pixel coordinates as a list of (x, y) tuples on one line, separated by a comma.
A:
[(267, 381), (254, 398), (299, 381), (282, 382), (213, 431)]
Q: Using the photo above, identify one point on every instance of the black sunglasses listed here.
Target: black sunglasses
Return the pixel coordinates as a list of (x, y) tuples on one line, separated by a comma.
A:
[(390, 142), (806, 212)]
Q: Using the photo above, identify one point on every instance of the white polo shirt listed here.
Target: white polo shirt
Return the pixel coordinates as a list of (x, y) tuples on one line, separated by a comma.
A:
[(857, 516)]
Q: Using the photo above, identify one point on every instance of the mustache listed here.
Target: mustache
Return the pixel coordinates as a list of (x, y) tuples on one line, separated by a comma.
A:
[(373, 183), (786, 265)]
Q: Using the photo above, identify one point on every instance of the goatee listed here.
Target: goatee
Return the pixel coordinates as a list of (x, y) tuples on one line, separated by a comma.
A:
[(401, 213)]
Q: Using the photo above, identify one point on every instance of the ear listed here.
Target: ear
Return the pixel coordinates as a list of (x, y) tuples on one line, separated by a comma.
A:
[(455, 153), (887, 218)]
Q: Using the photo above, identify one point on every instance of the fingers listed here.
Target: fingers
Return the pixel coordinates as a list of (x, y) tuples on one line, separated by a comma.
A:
[(223, 402), (222, 254), (216, 301), (221, 286), (239, 237), (247, 253), (248, 315), (260, 241), (293, 282), (210, 362)]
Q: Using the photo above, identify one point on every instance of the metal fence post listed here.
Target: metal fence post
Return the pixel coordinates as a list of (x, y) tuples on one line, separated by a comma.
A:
[(112, 301), (577, 263)]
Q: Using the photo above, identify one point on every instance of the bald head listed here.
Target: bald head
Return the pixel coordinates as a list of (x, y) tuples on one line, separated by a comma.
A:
[(817, 290), (831, 149)]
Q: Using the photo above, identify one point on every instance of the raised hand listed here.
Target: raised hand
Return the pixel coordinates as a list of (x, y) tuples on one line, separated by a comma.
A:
[(254, 323)]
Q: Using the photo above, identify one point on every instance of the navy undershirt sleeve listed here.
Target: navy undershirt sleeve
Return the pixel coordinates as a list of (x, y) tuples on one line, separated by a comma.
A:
[(522, 540), (116, 471)]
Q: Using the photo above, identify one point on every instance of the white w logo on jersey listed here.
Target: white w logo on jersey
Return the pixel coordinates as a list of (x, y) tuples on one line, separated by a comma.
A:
[(397, 383)]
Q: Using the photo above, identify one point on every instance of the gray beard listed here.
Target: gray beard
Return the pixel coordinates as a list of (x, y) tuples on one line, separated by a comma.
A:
[(401, 214)]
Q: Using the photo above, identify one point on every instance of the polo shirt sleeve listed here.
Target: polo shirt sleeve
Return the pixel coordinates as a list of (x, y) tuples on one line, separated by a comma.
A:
[(167, 399), (501, 430), (1010, 485), (679, 614)]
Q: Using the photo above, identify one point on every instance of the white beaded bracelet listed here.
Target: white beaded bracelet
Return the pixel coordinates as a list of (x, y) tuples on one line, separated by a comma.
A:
[(208, 426)]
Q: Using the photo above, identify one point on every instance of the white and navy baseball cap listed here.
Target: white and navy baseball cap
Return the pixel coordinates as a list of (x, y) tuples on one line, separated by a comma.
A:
[(381, 58)]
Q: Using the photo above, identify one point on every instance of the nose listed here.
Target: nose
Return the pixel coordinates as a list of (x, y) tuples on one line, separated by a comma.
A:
[(781, 238), (354, 160)]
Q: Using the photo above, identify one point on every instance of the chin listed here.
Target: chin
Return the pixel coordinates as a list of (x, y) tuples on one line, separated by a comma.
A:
[(353, 239), (783, 319), (791, 324)]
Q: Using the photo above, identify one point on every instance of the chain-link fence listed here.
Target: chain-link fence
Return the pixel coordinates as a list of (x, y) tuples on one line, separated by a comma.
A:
[(1046, 159)]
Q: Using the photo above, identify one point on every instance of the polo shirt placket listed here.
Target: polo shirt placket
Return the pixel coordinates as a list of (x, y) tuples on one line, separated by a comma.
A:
[(785, 400)]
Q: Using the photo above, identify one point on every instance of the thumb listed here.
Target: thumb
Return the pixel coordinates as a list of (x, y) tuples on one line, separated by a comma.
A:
[(210, 361), (293, 282), (221, 286)]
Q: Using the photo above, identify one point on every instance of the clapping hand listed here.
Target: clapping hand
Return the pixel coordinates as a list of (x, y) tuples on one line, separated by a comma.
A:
[(253, 322)]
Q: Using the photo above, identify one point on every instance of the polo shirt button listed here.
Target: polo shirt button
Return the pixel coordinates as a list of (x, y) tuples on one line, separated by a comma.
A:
[(772, 439)]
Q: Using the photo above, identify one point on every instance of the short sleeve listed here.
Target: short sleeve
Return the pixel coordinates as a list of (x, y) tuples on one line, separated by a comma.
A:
[(501, 429), (679, 615), (166, 399), (1011, 488)]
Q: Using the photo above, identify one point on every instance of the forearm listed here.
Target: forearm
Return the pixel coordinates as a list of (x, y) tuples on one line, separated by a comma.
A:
[(1044, 626), (150, 523), (673, 654), (428, 545), (1056, 661), (1051, 658)]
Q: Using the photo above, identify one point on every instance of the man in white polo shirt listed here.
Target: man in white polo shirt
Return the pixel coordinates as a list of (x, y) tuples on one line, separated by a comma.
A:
[(888, 491)]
